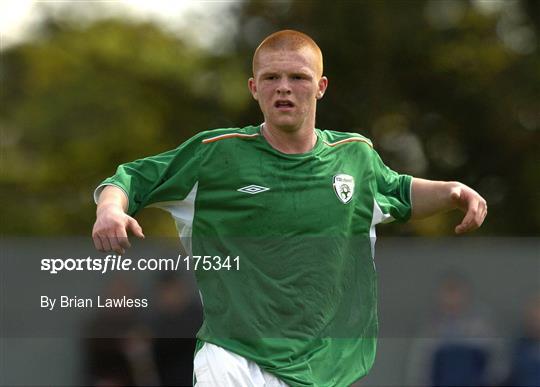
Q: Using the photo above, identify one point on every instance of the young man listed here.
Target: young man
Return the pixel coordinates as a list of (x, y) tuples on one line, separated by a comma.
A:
[(298, 206)]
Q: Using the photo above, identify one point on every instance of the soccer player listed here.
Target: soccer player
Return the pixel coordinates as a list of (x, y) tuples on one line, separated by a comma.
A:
[(298, 206)]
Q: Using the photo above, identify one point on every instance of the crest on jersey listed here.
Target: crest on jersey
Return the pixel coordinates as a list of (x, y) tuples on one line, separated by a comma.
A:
[(344, 187)]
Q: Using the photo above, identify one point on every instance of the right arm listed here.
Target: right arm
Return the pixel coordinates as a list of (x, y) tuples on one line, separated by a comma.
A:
[(168, 176), (112, 222)]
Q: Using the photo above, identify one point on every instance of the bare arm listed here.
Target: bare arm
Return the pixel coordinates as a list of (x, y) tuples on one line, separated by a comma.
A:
[(430, 197), (112, 222)]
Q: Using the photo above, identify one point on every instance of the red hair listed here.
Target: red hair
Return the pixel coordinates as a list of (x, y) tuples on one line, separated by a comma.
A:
[(289, 40)]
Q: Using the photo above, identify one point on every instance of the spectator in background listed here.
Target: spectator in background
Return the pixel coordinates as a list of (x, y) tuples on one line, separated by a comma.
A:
[(525, 364), (117, 347), (178, 317), (455, 348)]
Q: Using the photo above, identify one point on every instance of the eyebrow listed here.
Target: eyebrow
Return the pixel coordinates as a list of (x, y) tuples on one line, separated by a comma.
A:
[(293, 73), (301, 74), (268, 73)]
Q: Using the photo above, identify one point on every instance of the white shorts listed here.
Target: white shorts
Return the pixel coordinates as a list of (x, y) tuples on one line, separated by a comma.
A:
[(215, 366)]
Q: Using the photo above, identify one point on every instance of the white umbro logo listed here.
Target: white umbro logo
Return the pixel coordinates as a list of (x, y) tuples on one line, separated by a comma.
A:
[(253, 189)]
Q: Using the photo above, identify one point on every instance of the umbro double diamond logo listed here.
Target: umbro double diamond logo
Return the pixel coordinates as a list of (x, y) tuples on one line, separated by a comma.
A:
[(253, 189)]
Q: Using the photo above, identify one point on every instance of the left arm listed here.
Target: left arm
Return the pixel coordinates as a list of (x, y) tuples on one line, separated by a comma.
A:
[(430, 197)]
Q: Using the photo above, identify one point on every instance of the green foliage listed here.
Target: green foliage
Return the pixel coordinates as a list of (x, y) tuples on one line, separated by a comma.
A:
[(80, 101), (440, 91)]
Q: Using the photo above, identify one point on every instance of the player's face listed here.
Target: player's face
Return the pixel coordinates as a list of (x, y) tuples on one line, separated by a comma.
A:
[(287, 85)]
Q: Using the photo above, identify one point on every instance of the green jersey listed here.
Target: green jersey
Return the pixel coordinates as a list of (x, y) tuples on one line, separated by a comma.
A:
[(301, 298)]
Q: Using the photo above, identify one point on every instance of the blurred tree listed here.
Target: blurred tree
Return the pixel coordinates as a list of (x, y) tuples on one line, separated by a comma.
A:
[(79, 101), (446, 89)]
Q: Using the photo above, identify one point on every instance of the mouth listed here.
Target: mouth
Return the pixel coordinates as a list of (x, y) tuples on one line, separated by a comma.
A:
[(283, 104)]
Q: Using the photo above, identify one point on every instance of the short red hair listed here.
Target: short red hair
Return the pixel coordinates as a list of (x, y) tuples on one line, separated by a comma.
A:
[(289, 40)]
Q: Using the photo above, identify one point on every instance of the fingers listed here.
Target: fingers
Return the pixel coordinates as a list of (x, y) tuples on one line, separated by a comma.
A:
[(109, 243), (135, 228), (474, 217), (101, 243), (467, 223), (97, 242), (116, 245), (474, 206), (481, 212), (122, 240), (484, 215), (112, 236), (105, 243)]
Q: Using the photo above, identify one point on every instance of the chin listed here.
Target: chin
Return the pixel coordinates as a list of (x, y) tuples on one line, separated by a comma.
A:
[(285, 125)]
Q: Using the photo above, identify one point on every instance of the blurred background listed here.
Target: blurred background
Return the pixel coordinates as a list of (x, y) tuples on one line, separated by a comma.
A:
[(446, 89)]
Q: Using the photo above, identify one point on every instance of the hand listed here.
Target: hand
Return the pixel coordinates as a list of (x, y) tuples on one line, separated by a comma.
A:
[(470, 202), (110, 230)]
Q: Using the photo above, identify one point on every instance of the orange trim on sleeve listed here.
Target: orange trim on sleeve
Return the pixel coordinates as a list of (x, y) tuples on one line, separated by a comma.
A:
[(229, 135), (352, 139)]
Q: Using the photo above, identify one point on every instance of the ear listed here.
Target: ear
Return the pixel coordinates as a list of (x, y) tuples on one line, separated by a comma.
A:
[(322, 85), (252, 87)]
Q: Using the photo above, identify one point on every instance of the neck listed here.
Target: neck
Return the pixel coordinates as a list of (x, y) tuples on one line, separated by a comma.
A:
[(300, 141)]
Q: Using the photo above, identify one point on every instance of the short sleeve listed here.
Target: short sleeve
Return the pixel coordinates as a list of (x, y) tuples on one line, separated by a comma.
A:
[(160, 178), (392, 192)]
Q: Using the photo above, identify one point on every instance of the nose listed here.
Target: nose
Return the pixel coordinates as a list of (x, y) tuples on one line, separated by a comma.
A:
[(283, 87)]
